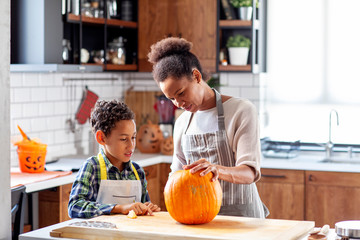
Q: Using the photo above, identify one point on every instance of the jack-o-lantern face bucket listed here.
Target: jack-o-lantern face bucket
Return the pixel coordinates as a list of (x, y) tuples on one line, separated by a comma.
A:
[(167, 146), (32, 157), (149, 138)]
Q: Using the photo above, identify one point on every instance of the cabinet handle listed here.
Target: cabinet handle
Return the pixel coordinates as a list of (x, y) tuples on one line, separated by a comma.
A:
[(169, 35), (311, 178), (180, 35), (273, 176)]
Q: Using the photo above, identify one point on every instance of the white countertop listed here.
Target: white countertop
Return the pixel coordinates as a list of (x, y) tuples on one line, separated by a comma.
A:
[(310, 161), (143, 160)]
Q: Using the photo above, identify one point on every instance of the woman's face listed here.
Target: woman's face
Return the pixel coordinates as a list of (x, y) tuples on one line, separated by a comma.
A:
[(185, 93)]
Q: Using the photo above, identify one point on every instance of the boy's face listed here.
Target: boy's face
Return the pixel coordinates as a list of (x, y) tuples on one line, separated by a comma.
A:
[(120, 144)]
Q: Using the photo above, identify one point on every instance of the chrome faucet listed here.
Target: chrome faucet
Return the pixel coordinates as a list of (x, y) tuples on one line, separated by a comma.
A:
[(329, 145)]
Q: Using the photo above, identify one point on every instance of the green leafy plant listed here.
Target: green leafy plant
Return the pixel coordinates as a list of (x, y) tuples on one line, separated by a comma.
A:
[(242, 3), (238, 41)]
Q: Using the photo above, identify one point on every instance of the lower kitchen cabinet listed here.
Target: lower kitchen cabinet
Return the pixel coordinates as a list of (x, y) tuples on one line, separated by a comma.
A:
[(323, 197), (53, 205), (283, 192), (156, 176), (332, 197)]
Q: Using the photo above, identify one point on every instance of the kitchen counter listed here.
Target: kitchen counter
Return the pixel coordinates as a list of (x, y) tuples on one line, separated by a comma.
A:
[(162, 226), (309, 161), (143, 160)]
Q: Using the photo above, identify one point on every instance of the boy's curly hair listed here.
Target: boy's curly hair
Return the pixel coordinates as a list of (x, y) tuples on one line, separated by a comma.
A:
[(106, 114), (171, 57)]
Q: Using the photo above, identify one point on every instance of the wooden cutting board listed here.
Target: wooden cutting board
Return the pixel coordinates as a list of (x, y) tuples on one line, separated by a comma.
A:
[(162, 226), (142, 104)]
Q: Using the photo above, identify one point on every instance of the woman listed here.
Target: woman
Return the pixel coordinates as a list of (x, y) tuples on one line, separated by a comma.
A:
[(216, 133)]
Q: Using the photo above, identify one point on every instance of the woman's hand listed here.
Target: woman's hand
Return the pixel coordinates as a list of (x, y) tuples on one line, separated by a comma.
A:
[(138, 207), (203, 164), (153, 207)]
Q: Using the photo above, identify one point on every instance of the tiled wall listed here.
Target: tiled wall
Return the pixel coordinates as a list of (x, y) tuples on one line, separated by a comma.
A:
[(41, 103)]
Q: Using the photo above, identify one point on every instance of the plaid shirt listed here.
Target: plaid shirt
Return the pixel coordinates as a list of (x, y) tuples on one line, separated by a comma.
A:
[(82, 202)]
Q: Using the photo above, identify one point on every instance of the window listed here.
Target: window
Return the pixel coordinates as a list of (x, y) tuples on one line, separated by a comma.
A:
[(313, 67)]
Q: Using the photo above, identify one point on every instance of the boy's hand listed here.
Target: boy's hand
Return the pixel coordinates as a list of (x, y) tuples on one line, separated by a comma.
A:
[(153, 207), (138, 207)]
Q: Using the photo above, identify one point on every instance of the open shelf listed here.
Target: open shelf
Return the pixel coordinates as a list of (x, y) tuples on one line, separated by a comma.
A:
[(235, 68), (109, 22), (121, 23), (114, 67), (234, 23), (126, 67)]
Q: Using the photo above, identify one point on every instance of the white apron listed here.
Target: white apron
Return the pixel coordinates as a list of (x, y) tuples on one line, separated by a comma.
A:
[(118, 191), (238, 199)]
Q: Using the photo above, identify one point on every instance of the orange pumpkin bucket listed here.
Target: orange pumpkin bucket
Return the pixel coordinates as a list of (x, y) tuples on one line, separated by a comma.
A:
[(31, 155)]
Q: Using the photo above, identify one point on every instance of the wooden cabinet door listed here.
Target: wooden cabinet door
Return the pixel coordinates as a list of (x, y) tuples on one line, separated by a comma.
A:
[(164, 175), (332, 197), (197, 24), (53, 205), (193, 20), (153, 187), (155, 22), (282, 191)]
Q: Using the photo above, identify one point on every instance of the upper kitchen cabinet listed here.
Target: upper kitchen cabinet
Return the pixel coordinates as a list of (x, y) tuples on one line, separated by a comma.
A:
[(193, 20), (101, 32), (250, 25)]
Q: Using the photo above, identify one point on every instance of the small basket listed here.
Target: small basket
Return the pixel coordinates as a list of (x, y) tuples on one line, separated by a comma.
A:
[(32, 157)]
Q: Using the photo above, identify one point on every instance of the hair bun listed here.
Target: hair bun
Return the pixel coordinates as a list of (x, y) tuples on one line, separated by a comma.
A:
[(167, 47)]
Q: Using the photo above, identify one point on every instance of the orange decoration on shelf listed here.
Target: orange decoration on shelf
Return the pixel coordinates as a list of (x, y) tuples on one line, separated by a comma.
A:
[(192, 199), (149, 138), (167, 146)]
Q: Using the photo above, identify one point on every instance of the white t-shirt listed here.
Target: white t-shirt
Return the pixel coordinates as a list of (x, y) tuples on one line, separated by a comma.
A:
[(242, 129)]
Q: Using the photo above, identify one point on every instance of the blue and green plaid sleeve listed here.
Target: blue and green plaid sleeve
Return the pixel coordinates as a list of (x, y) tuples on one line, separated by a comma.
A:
[(82, 201)]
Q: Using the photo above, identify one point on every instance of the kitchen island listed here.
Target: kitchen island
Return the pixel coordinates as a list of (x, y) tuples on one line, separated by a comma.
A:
[(162, 226)]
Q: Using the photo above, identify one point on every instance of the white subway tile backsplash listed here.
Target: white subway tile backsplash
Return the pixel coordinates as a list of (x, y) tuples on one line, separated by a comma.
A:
[(21, 95), (50, 100), (16, 110), (240, 79), (38, 94), (16, 80), (251, 93), (230, 91), (38, 124), (46, 79), (31, 80), (54, 94), (61, 107), (30, 110)]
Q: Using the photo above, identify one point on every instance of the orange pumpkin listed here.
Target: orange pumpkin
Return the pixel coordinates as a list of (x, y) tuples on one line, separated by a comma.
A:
[(167, 146), (192, 199), (149, 138)]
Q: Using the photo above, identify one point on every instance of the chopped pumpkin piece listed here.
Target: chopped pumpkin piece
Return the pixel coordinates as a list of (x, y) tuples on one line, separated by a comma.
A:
[(132, 214)]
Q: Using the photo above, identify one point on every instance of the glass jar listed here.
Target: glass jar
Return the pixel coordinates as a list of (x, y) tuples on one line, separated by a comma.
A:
[(116, 53)]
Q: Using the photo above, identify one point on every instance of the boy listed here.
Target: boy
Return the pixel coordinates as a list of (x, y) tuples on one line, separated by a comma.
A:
[(110, 182)]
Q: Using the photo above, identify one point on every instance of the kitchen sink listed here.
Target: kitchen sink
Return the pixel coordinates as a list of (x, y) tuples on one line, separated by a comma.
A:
[(341, 160)]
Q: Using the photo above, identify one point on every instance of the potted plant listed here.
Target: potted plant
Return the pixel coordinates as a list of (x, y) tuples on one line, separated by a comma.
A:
[(245, 8), (238, 47)]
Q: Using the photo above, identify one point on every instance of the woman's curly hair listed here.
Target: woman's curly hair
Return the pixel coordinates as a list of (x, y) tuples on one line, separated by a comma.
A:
[(171, 57), (106, 114)]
